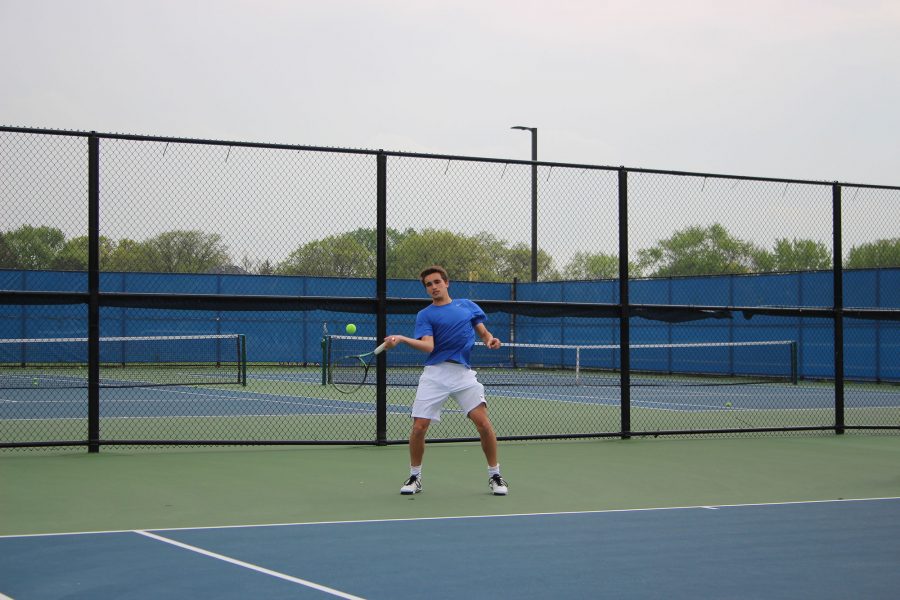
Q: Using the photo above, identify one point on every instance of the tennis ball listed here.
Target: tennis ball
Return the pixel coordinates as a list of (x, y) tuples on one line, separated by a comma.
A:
[(34, 382), (351, 328), (728, 404)]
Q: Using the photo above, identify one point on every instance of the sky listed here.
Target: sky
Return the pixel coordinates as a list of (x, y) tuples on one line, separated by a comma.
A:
[(805, 89)]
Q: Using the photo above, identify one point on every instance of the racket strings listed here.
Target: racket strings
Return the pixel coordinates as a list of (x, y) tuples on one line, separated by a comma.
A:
[(349, 373)]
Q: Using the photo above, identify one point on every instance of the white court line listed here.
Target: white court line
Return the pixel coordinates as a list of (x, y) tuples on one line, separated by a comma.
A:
[(463, 517), (252, 567)]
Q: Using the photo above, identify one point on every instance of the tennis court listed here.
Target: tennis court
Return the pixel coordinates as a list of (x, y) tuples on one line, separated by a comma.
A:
[(750, 518), (288, 396), (314, 398), (285, 390)]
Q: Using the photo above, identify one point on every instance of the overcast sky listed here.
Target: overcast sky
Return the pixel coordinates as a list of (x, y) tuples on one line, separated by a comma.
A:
[(803, 89)]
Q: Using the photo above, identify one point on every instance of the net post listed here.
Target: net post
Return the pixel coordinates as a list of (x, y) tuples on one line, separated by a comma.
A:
[(242, 349), (578, 365), (326, 343), (795, 369)]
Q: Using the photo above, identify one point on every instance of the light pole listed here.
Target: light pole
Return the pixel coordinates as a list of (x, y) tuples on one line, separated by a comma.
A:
[(534, 242)]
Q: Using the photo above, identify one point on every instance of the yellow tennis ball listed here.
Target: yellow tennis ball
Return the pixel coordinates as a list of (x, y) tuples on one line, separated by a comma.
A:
[(728, 404), (351, 328)]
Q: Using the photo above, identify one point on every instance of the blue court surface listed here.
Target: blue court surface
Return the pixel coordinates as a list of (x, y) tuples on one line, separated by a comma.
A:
[(832, 549)]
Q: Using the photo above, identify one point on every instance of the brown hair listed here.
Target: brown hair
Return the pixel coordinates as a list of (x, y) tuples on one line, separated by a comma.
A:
[(433, 269)]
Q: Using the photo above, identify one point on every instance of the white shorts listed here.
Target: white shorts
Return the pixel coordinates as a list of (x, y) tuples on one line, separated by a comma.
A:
[(442, 381)]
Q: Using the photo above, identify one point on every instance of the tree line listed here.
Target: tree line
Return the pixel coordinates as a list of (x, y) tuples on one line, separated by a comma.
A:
[(697, 250)]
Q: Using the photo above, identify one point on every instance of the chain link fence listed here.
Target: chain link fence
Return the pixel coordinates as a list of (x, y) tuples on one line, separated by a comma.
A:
[(170, 292)]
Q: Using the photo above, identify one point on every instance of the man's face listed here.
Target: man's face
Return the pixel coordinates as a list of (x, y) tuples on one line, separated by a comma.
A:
[(435, 286)]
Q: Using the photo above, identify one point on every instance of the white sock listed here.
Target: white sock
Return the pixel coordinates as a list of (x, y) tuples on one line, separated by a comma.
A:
[(495, 470), (417, 471)]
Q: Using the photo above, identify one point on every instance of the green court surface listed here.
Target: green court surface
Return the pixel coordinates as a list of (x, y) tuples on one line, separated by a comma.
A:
[(128, 489)]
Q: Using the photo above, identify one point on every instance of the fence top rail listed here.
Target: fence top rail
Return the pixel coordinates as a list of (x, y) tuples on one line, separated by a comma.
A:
[(448, 157)]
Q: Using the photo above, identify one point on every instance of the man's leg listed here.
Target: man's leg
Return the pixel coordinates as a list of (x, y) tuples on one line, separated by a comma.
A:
[(413, 485), (479, 416), (417, 441)]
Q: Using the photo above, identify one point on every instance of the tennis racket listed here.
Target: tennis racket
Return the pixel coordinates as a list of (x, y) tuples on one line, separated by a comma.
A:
[(349, 373)]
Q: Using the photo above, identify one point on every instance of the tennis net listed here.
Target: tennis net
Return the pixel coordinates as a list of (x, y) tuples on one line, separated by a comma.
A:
[(124, 361), (688, 364)]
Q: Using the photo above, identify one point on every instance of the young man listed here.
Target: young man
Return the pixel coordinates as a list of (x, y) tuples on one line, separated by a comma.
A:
[(446, 331)]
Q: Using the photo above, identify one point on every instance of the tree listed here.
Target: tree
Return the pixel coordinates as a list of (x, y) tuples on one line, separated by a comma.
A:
[(34, 248), (128, 255), (482, 257), (350, 254), (7, 257), (464, 257), (259, 267), (698, 251), (880, 253), (73, 256), (265, 268), (794, 255), (369, 238), (334, 256), (514, 262), (185, 252), (585, 265)]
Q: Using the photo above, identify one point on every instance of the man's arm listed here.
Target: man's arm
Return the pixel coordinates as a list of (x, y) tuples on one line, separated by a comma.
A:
[(424, 344), (489, 340)]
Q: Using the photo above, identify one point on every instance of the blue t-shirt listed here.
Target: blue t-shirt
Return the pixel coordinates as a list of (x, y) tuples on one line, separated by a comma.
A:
[(452, 327)]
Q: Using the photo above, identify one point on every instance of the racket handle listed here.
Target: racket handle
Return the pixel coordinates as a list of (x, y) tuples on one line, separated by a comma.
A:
[(379, 349)]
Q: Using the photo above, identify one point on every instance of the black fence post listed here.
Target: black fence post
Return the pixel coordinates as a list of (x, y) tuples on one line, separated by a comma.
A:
[(838, 285), (534, 206), (624, 325), (381, 298), (93, 323)]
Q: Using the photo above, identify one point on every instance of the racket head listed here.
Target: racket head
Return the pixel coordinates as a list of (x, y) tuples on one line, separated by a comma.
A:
[(349, 373)]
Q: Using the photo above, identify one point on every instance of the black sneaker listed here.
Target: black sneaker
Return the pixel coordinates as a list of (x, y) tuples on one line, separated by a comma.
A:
[(498, 485), (413, 485)]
